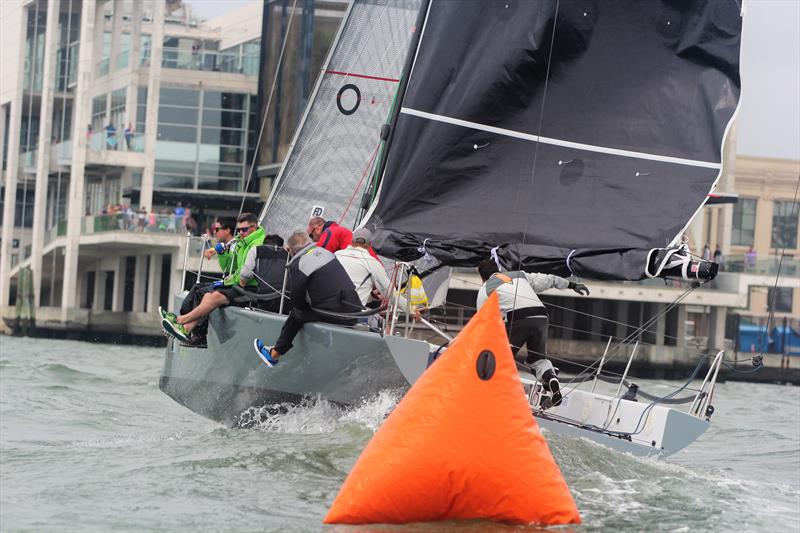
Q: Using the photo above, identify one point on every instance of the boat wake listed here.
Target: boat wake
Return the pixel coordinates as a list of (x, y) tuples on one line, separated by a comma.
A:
[(316, 415)]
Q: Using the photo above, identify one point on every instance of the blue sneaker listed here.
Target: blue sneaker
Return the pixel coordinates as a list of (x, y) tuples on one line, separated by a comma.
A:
[(264, 352)]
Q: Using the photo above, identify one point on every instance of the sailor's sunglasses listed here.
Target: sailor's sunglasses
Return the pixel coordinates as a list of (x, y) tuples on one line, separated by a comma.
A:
[(245, 229)]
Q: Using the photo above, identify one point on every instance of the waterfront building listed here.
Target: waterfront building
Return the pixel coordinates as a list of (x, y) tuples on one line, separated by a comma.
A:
[(123, 125)]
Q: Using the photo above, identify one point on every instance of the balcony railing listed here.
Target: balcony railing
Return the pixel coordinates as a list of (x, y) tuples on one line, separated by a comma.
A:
[(133, 142), (761, 264), (123, 59), (211, 61), (134, 222), (103, 67), (59, 230)]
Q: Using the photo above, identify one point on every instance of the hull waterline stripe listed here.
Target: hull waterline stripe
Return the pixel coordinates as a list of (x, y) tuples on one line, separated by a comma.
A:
[(363, 76), (558, 142)]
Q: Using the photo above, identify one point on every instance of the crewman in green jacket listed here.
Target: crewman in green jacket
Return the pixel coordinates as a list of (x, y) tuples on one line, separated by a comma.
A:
[(248, 235)]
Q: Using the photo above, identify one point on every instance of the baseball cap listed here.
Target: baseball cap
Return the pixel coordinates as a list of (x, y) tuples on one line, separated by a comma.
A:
[(362, 235)]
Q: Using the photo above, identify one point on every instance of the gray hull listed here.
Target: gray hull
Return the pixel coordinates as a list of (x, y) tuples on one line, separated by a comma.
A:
[(339, 364)]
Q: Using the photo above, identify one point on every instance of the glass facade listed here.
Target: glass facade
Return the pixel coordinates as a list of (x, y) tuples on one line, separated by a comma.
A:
[(785, 218), (34, 49), (306, 48), (202, 139), (744, 222)]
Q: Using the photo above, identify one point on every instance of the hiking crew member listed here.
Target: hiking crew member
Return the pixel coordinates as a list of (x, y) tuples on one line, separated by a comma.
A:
[(317, 281), (223, 231), (248, 235), (267, 264), (525, 315)]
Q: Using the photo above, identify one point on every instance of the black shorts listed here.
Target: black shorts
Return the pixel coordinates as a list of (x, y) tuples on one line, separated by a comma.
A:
[(231, 293)]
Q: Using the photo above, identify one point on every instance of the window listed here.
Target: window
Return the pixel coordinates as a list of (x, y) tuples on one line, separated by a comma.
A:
[(226, 119), (177, 115), (177, 133), (179, 97), (784, 224), (744, 222), (118, 99), (141, 110), (215, 159), (780, 299), (99, 112)]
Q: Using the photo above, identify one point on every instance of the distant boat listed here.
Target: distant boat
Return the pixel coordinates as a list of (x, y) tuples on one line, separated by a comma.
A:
[(577, 139)]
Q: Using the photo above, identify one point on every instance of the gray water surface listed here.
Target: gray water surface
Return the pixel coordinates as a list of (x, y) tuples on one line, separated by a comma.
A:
[(88, 442)]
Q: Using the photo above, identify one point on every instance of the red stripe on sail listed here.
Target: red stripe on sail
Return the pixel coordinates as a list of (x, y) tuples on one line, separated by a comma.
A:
[(366, 77)]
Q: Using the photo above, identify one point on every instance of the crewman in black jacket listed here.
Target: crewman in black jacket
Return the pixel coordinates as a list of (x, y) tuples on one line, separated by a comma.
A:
[(316, 281)]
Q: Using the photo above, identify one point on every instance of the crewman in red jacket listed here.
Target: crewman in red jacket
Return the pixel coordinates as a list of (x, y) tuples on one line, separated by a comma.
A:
[(329, 235), (332, 236)]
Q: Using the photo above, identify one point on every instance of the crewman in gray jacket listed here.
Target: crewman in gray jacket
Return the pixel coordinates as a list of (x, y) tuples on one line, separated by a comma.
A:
[(525, 315)]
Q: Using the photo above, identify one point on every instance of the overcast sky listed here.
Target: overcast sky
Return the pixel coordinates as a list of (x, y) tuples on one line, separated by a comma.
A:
[(769, 114)]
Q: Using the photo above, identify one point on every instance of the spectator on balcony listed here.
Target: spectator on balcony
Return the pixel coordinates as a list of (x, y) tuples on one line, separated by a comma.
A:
[(750, 259), (111, 136), (128, 133), (128, 218), (141, 217), (179, 212)]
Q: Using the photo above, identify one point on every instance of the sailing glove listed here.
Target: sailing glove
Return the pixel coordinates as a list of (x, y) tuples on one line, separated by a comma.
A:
[(580, 288), (219, 248)]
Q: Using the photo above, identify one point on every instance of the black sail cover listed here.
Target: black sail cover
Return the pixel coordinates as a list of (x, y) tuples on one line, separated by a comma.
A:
[(568, 137)]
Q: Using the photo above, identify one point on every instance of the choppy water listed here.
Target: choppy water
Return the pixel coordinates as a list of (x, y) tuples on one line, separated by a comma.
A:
[(88, 442)]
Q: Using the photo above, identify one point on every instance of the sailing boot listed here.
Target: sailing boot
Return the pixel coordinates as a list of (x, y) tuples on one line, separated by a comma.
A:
[(551, 384)]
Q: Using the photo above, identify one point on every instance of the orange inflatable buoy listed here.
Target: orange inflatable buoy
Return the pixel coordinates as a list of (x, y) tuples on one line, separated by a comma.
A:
[(462, 444)]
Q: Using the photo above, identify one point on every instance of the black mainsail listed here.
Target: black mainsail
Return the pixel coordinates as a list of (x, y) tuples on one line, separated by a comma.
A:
[(573, 137)]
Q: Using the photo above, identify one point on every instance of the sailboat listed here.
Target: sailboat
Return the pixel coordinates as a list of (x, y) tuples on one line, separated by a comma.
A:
[(571, 138)]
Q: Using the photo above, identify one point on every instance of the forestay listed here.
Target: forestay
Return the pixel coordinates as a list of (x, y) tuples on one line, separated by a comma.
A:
[(335, 144), (569, 137)]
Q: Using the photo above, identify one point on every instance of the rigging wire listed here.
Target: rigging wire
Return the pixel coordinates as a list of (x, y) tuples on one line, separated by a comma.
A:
[(358, 186)]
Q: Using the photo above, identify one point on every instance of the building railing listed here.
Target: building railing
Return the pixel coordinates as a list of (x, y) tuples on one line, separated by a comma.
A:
[(133, 142), (133, 222), (58, 230), (27, 161), (123, 58), (761, 264), (210, 60), (103, 67)]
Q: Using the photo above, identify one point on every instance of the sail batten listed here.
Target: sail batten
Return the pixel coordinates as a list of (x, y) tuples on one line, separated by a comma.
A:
[(560, 142)]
